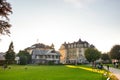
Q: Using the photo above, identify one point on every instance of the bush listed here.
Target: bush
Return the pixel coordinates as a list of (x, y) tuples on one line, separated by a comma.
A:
[(51, 63)]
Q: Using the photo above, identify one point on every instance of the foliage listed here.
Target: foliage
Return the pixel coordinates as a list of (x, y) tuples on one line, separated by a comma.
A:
[(10, 54), (105, 57), (50, 62), (25, 57), (23, 60), (5, 9), (92, 54), (115, 52), (48, 73)]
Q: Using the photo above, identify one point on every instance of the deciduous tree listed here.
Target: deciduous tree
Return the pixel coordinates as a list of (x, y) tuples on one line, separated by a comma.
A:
[(115, 52), (25, 57), (5, 10), (105, 57), (92, 54)]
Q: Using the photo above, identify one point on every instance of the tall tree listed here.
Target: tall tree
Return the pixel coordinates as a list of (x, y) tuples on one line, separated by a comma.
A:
[(115, 52), (5, 10), (10, 54), (92, 54)]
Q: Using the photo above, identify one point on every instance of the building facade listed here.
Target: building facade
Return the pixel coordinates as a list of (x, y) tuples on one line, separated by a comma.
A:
[(43, 54), (72, 53), (2, 58)]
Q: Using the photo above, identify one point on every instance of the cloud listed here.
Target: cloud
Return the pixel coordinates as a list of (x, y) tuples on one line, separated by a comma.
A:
[(80, 3)]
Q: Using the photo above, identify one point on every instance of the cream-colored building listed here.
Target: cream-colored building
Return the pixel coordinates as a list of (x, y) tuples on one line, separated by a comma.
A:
[(72, 53)]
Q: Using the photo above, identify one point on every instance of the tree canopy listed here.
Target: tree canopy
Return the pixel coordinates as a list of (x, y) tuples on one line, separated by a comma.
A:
[(25, 57), (92, 54), (115, 52), (105, 57), (5, 10)]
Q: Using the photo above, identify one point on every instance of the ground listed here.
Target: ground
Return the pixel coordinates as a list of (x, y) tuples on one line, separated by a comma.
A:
[(35, 72)]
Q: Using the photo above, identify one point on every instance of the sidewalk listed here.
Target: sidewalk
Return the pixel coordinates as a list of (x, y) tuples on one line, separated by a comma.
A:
[(115, 71)]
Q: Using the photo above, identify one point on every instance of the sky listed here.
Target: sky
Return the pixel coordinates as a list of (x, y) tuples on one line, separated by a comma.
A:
[(57, 21)]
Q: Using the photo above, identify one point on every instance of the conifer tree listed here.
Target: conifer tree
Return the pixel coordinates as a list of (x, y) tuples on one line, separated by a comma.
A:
[(10, 54)]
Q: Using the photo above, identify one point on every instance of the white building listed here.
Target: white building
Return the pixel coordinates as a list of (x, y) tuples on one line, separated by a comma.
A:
[(2, 58), (45, 56)]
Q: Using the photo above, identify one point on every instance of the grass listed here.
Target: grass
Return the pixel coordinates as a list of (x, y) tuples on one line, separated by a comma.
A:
[(112, 65), (48, 73)]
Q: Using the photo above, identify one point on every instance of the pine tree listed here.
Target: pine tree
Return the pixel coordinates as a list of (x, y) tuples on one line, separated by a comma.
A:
[(10, 54)]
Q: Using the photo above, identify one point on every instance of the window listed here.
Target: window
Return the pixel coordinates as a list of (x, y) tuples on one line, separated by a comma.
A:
[(56, 57), (40, 56), (68, 46), (80, 45), (71, 45), (85, 45), (74, 45)]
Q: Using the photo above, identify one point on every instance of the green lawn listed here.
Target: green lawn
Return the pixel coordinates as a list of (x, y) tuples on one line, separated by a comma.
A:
[(112, 65), (47, 73)]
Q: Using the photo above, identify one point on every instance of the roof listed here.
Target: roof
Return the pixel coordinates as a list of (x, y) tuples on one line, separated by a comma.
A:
[(41, 45), (78, 42), (44, 52)]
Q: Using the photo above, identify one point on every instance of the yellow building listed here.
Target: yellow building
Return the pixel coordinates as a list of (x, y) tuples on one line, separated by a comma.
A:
[(72, 53)]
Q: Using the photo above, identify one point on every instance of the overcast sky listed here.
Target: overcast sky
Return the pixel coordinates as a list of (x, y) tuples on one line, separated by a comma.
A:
[(57, 21)]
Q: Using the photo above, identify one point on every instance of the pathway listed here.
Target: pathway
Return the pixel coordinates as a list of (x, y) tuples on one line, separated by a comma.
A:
[(115, 71)]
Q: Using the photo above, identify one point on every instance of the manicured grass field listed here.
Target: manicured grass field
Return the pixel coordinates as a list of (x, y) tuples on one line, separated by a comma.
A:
[(47, 73)]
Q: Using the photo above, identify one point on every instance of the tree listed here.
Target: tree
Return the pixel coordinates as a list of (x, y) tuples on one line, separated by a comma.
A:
[(92, 54), (25, 57), (23, 60), (10, 54), (5, 9), (115, 52), (105, 57)]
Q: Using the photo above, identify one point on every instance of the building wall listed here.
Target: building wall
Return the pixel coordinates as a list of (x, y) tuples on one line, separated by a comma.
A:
[(45, 56), (63, 54), (2, 58), (73, 52), (45, 59)]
